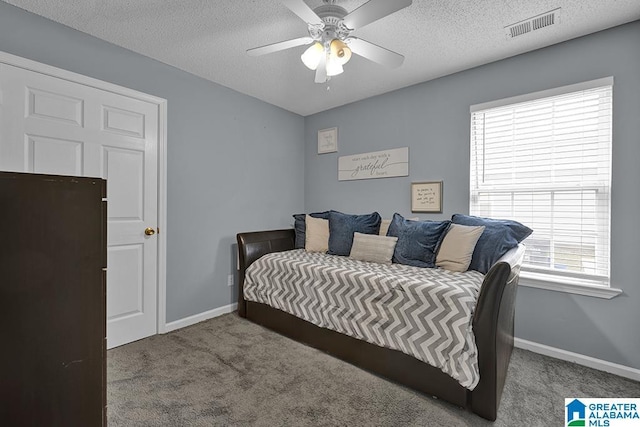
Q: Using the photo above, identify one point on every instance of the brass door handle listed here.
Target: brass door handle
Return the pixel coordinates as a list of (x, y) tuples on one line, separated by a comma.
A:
[(149, 231)]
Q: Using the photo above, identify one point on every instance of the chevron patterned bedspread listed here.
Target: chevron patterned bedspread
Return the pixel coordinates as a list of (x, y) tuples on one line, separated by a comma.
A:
[(423, 312)]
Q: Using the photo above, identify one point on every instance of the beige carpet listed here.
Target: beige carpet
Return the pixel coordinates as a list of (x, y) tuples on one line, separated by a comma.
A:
[(228, 371)]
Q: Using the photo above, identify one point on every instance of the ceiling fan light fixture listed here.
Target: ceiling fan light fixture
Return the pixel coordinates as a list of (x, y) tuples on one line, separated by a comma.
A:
[(334, 65), (340, 51), (330, 27), (311, 57)]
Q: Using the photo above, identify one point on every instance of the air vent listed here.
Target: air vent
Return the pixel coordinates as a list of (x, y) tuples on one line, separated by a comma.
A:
[(534, 23), (543, 21), (520, 29)]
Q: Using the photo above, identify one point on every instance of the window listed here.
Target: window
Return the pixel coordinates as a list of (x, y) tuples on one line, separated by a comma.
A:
[(544, 159)]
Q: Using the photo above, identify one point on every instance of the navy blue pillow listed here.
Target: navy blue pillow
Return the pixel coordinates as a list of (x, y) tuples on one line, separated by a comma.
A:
[(342, 226), (498, 237), (300, 226), (418, 241)]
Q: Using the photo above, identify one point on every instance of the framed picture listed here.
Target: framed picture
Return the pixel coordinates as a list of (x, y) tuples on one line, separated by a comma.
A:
[(426, 196), (327, 140)]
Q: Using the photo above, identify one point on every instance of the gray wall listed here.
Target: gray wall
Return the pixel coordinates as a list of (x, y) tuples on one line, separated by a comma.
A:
[(232, 160), (234, 164), (432, 119)]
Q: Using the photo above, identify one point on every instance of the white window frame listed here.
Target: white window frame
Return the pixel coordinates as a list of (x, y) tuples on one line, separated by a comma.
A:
[(555, 281)]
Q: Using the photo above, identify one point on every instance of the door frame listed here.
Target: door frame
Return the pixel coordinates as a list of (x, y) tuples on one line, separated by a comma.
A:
[(38, 67)]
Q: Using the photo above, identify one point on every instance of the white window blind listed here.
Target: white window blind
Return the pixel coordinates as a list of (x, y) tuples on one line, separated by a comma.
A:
[(546, 162)]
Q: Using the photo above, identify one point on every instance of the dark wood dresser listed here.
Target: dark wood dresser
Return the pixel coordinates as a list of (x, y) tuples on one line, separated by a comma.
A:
[(52, 300)]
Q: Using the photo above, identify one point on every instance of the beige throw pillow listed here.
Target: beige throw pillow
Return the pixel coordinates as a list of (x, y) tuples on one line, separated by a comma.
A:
[(384, 227), (316, 234), (373, 248), (457, 247)]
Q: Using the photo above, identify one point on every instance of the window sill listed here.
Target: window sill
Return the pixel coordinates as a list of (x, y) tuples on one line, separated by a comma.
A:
[(531, 281)]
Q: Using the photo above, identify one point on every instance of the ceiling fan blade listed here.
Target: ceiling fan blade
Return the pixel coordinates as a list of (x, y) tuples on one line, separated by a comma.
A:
[(374, 52), (275, 47), (300, 8), (372, 11), (321, 71)]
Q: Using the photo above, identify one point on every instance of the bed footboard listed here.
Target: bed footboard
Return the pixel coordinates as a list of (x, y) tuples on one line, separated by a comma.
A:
[(493, 328), (252, 246)]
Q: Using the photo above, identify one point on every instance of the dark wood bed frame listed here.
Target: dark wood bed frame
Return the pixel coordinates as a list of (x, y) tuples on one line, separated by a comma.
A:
[(492, 325)]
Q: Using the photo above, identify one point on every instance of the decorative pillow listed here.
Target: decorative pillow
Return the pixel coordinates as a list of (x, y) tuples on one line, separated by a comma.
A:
[(418, 241), (317, 234), (342, 226), (384, 227), (457, 247), (299, 226), (373, 248), (498, 237)]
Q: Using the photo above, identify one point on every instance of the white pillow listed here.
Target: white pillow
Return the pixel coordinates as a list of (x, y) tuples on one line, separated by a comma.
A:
[(457, 247), (373, 248), (316, 234)]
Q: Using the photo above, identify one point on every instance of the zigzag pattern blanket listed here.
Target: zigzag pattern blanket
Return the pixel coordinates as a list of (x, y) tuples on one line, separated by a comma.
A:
[(423, 312)]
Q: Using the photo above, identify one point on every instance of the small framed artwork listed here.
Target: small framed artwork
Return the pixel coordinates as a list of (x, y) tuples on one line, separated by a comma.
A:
[(328, 140), (426, 196)]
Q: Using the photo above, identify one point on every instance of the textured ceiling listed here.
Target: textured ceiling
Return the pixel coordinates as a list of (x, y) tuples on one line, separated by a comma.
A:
[(209, 38)]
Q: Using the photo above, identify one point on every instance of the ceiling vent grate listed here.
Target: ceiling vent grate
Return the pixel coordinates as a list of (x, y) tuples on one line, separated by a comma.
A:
[(520, 29), (534, 23), (543, 21)]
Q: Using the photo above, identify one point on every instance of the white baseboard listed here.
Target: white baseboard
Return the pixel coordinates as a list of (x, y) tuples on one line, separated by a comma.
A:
[(580, 359), (200, 317)]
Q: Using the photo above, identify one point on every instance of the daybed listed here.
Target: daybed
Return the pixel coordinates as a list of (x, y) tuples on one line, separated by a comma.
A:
[(492, 324)]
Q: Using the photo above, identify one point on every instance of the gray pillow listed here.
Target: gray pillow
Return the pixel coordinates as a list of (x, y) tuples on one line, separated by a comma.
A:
[(342, 226), (373, 248), (418, 241), (498, 237)]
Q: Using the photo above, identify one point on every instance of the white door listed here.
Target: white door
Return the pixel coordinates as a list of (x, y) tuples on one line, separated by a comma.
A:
[(54, 126)]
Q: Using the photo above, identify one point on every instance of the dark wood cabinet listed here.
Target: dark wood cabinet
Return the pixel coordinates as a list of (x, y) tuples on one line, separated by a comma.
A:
[(52, 300)]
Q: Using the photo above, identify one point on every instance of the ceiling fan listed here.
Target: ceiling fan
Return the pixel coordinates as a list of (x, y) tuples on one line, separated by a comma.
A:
[(330, 28)]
